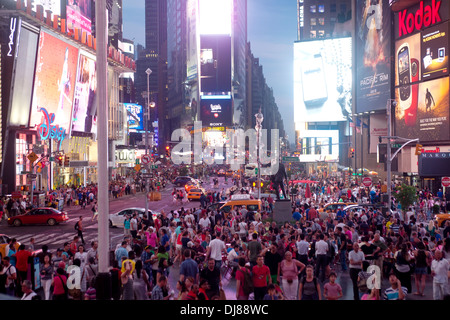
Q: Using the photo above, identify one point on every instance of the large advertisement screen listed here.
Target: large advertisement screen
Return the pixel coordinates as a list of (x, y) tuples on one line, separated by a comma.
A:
[(215, 16), (215, 63), (322, 80), (135, 116), (407, 61), (373, 43), (435, 51), (84, 116), (54, 83), (78, 14), (426, 114), (216, 111)]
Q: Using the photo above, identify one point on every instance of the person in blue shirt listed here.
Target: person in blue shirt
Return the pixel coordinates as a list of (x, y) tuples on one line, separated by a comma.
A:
[(121, 252), (340, 214), (165, 240), (296, 215)]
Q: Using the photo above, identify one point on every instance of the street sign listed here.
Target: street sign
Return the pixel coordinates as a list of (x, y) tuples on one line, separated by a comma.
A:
[(147, 175), (367, 182), (32, 157), (31, 176), (154, 166), (146, 159), (137, 167), (291, 159), (445, 181)]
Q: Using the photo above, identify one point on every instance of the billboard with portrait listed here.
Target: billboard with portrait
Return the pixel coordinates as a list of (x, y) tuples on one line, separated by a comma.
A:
[(216, 111), (322, 80), (84, 115), (427, 115), (54, 82), (373, 65)]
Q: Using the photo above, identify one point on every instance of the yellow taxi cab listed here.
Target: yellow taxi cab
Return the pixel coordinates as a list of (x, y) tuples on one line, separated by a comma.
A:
[(238, 201), (195, 194), (441, 218), (191, 185), (335, 206), (229, 173)]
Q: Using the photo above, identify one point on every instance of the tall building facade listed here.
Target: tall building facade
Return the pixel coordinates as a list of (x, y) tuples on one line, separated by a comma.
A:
[(154, 56), (323, 18)]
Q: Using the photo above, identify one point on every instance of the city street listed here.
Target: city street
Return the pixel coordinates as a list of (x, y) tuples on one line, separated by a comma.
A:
[(55, 236)]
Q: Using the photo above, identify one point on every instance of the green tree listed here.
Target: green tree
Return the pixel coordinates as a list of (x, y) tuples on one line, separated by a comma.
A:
[(406, 195)]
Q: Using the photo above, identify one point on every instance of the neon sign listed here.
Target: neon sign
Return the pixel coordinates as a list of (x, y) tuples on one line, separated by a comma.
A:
[(48, 131), (12, 29)]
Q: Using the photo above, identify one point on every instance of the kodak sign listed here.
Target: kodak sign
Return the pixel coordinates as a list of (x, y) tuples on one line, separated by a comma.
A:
[(424, 16)]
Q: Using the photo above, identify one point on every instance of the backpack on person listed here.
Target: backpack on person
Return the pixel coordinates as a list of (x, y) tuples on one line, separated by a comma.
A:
[(76, 227), (247, 284)]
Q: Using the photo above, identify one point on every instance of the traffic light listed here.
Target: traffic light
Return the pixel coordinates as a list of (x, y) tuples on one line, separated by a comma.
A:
[(59, 159), (418, 149), (256, 171), (66, 161), (351, 152), (168, 152)]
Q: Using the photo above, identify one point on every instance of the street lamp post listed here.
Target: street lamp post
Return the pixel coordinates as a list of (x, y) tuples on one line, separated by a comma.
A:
[(147, 120), (259, 119), (103, 283)]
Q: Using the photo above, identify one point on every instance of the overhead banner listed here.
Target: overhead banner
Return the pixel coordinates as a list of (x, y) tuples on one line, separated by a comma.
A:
[(373, 63)]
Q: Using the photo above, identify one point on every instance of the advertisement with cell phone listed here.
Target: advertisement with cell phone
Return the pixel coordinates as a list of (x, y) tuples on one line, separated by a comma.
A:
[(405, 50), (373, 64), (426, 118), (435, 51)]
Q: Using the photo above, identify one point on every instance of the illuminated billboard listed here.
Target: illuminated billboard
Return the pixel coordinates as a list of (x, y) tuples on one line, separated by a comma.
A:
[(426, 114), (54, 82), (373, 65), (215, 16), (53, 5), (78, 15), (322, 80), (135, 116), (435, 51), (215, 63), (84, 115), (216, 111)]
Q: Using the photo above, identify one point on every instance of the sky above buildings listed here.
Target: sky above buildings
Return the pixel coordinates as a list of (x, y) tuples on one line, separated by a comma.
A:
[(272, 30)]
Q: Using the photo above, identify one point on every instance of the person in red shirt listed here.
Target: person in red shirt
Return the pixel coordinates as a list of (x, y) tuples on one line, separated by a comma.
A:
[(261, 273), (312, 213), (22, 256)]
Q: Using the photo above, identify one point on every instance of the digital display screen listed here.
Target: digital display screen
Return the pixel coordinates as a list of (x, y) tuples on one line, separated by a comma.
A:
[(434, 164), (216, 111), (215, 16), (322, 80), (54, 82), (435, 51), (135, 116), (84, 116), (78, 13), (215, 63)]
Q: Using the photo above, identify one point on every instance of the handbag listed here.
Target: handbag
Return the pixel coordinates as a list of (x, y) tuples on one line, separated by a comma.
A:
[(362, 285)]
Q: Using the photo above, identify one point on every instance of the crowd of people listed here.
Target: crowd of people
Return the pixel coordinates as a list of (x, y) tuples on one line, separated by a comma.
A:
[(386, 256)]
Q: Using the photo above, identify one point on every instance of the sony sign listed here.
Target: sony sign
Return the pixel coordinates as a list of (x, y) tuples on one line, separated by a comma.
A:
[(424, 16)]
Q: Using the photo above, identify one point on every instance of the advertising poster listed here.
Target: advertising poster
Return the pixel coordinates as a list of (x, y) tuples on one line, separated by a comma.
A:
[(407, 60), (193, 40), (135, 116), (216, 112), (427, 117), (84, 116), (78, 13), (54, 83), (378, 128), (435, 51), (373, 64), (322, 80)]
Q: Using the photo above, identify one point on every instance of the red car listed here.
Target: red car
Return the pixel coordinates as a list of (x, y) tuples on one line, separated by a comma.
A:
[(48, 216)]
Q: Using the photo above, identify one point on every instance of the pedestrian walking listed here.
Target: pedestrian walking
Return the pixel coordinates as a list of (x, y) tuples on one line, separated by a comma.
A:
[(79, 228)]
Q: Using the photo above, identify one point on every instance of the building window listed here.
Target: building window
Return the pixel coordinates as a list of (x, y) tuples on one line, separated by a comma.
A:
[(333, 7), (312, 34), (321, 33), (343, 7), (321, 8), (313, 21), (312, 9), (321, 21)]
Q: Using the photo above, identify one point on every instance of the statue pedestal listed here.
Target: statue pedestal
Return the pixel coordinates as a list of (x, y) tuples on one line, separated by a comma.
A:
[(282, 211)]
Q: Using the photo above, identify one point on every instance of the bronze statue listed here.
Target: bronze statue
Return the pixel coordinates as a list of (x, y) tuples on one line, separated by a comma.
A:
[(277, 180)]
